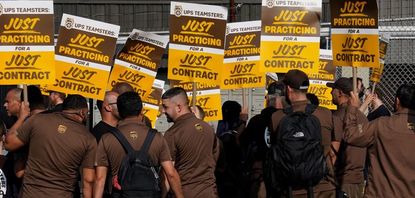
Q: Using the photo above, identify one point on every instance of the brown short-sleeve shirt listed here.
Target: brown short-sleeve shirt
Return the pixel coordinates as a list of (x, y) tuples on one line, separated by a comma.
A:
[(351, 160), (58, 148), (390, 143), (110, 151), (328, 125), (193, 145)]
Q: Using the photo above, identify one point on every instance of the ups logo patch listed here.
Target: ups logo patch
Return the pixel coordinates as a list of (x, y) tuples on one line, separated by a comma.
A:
[(62, 129), (411, 126), (133, 135), (198, 127)]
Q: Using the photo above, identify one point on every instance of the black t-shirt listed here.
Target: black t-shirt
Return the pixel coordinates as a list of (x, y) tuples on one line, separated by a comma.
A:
[(255, 132), (57, 108), (379, 112), (100, 129)]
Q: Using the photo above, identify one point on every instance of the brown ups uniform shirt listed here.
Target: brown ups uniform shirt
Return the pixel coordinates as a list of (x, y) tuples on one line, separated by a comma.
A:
[(58, 148), (329, 125), (110, 151), (351, 160), (391, 146), (193, 146)]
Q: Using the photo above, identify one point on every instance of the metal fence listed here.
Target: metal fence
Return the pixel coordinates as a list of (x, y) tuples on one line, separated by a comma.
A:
[(400, 60)]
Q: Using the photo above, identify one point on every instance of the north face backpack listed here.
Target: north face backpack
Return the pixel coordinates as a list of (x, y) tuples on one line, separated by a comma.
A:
[(137, 176), (296, 158)]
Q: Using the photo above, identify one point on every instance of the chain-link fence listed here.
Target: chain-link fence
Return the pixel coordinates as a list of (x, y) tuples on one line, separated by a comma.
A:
[(399, 63), (400, 57)]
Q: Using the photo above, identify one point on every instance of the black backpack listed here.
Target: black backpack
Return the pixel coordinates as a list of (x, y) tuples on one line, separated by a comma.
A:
[(137, 176), (296, 157)]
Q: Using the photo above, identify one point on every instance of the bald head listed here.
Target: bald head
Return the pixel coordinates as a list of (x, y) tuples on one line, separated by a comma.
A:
[(16, 93), (122, 87), (108, 108), (12, 101), (110, 97)]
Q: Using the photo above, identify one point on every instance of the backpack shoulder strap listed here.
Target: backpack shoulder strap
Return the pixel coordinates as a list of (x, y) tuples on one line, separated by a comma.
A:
[(123, 141), (147, 142), (310, 108)]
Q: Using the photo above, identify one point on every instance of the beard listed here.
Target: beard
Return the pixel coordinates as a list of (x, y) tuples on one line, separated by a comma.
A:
[(84, 121), (334, 101), (169, 119), (286, 97)]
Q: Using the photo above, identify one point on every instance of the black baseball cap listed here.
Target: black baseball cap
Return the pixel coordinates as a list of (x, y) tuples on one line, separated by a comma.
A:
[(276, 88), (343, 84), (296, 79)]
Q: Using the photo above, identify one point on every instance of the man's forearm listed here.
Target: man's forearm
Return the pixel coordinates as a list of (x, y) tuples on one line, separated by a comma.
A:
[(99, 188), (165, 187), (88, 179), (101, 177), (175, 185), (334, 148), (87, 189)]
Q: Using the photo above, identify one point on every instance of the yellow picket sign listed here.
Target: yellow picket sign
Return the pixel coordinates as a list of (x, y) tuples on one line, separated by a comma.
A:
[(356, 50), (241, 67), (138, 61), (27, 67), (324, 95), (355, 33), (207, 96), (141, 80), (44, 89), (84, 56), (194, 66), (76, 79), (210, 101), (154, 98), (377, 72), (188, 86), (241, 75), (151, 112), (197, 34), (326, 71), (282, 57), (290, 35), (26, 43)]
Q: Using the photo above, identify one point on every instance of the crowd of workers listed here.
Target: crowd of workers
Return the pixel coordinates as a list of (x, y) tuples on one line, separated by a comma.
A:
[(51, 153)]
